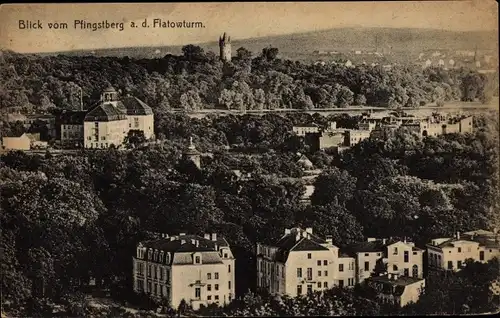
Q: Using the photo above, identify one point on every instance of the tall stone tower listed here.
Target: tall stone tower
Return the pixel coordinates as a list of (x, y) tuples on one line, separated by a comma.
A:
[(225, 47)]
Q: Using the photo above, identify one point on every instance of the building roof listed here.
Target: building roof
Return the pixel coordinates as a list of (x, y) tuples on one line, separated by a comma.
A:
[(177, 245), (373, 246), (73, 117), (135, 106), (109, 89), (289, 243), (394, 286), (104, 112), (13, 134)]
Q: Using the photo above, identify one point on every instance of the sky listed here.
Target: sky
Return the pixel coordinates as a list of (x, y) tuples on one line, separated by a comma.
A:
[(240, 20)]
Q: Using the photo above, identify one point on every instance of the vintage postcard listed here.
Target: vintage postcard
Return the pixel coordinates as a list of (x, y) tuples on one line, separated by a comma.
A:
[(249, 159)]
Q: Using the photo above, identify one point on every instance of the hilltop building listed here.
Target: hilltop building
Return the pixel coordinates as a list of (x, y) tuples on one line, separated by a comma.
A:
[(198, 270), (451, 253), (109, 122), (70, 125), (225, 47)]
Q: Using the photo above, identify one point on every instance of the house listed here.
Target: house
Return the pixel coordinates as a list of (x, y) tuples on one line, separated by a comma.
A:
[(198, 270), (303, 130), (48, 119), (400, 257), (396, 289), (297, 263), (354, 136), (35, 142), (440, 126), (330, 139), (109, 122), (451, 253), (16, 141), (70, 125)]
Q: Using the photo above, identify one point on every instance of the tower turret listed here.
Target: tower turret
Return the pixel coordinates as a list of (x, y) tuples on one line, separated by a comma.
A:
[(191, 154), (225, 47), (109, 96)]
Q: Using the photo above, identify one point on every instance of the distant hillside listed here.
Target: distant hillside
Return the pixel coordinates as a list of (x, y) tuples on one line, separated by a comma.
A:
[(342, 39)]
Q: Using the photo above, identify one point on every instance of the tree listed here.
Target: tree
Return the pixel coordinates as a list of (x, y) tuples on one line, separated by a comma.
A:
[(243, 54), (270, 53), (134, 138), (333, 186), (192, 52)]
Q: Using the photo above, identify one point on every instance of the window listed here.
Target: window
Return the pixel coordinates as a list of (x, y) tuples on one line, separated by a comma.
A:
[(309, 289), (367, 266), (325, 284), (319, 284), (350, 282), (309, 273), (209, 287), (319, 263), (341, 283), (406, 256), (341, 267), (156, 272), (415, 253), (319, 273), (299, 272), (216, 276), (149, 270), (450, 265), (326, 273), (225, 255), (406, 272), (216, 286), (394, 267), (216, 297), (325, 262), (229, 284), (460, 250), (481, 255), (299, 290), (395, 251), (309, 255), (136, 122), (197, 260), (209, 275), (103, 138), (414, 270), (229, 268), (459, 264), (161, 273), (197, 292), (209, 297), (366, 254), (155, 290)]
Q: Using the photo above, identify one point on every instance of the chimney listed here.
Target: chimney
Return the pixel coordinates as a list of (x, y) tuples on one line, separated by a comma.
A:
[(405, 240), (207, 236), (458, 235), (182, 234), (166, 235), (371, 239), (197, 243), (183, 242), (384, 241), (395, 276), (216, 247), (214, 236), (172, 238), (309, 230), (287, 231), (329, 239), (193, 241), (304, 234), (297, 237)]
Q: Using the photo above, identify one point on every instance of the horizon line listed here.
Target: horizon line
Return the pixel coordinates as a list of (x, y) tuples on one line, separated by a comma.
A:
[(262, 37)]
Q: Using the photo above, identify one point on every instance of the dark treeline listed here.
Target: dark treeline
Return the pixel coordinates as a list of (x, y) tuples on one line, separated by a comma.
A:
[(68, 218), (198, 80)]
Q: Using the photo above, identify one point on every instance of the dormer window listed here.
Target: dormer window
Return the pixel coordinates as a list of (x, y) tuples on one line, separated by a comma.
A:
[(150, 254), (197, 258)]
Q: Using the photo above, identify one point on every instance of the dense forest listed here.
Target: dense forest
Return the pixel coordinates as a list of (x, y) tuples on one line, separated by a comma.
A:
[(199, 80), (66, 218)]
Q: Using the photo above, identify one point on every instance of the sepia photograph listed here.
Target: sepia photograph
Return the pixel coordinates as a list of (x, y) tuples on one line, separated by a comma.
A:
[(245, 159)]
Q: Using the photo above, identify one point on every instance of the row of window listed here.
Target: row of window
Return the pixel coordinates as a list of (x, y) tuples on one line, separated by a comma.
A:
[(197, 295), (310, 273), (341, 267), (153, 288), (216, 286)]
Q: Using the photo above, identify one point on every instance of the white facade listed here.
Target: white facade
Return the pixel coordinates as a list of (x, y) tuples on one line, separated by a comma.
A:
[(452, 253), (176, 269), (103, 134), (142, 122)]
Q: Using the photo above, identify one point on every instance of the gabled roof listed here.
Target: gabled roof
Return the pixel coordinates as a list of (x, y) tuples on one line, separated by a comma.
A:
[(104, 112), (289, 243), (169, 245)]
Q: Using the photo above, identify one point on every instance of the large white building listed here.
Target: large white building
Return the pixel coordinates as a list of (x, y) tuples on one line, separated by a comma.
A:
[(301, 262), (109, 122), (198, 270), (452, 253), (395, 256)]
